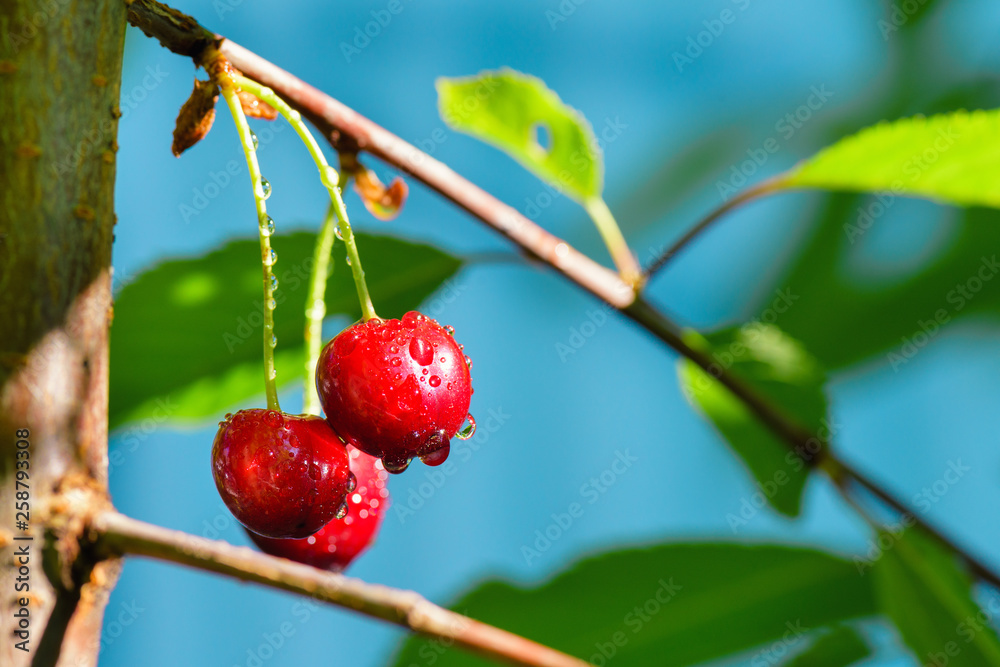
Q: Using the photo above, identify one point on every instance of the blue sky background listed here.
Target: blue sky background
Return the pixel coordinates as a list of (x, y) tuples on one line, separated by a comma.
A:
[(564, 419)]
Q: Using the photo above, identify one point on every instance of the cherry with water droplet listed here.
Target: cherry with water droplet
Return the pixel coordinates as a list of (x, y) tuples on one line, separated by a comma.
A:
[(280, 475), (342, 539), (409, 406)]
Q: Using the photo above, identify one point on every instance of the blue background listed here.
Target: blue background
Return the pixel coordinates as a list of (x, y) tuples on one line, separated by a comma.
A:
[(566, 417)]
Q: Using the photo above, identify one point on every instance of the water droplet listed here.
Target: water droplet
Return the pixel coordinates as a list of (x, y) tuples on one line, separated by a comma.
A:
[(393, 349), (443, 360), (341, 511), (254, 140), (461, 347), (265, 188), (273, 419), (271, 304), (468, 362), (274, 373), (274, 341), (469, 430), (438, 456), (435, 381), (396, 361), (272, 258), (329, 176), (395, 465), (273, 282), (352, 482), (421, 351), (348, 260), (336, 232), (425, 371), (450, 330), (267, 225)]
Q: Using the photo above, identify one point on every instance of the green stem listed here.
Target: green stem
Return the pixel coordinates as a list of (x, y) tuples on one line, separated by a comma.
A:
[(628, 266), (266, 254), (316, 307), (330, 179)]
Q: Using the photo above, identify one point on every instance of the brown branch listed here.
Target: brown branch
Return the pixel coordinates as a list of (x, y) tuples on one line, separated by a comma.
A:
[(349, 131), (120, 535)]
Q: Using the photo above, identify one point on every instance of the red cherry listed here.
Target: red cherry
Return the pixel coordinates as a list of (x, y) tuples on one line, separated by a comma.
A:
[(396, 389), (340, 541), (280, 475)]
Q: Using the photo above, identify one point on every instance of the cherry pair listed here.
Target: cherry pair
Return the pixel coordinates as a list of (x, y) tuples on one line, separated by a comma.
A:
[(393, 389)]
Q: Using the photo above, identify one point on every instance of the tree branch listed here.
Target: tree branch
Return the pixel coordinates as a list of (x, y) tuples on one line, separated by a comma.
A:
[(349, 131), (120, 535)]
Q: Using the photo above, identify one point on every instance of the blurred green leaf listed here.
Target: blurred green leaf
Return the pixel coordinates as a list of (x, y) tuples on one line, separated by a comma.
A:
[(782, 370), (843, 319), (187, 336), (838, 648), (674, 604), (510, 110), (920, 586), (950, 157)]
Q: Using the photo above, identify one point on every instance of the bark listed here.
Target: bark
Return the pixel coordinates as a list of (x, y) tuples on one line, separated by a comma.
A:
[(60, 74)]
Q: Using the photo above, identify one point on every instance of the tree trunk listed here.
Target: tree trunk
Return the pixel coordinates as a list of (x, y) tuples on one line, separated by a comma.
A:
[(60, 75)]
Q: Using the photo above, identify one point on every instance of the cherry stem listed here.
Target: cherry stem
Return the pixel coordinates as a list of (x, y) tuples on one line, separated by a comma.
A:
[(628, 266), (330, 179), (316, 305), (229, 92), (767, 187)]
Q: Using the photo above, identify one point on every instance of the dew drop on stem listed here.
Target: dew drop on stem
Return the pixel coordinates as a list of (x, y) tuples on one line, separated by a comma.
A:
[(265, 188), (253, 138)]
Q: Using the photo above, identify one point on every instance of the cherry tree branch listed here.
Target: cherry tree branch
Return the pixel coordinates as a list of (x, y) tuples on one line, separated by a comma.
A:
[(349, 131), (118, 535)]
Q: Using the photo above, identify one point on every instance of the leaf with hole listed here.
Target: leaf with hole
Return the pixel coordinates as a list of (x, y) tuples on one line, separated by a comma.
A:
[(520, 115)]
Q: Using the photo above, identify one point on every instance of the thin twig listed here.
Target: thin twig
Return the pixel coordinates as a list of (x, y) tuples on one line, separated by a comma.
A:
[(348, 130), (118, 534), (763, 188)]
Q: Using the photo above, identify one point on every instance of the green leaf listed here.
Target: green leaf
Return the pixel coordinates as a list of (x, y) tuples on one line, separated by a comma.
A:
[(920, 586), (782, 370), (838, 648), (674, 604), (187, 336), (950, 157), (507, 109)]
